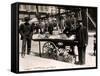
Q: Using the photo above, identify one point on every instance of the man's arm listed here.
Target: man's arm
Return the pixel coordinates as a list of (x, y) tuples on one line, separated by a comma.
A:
[(21, 30)]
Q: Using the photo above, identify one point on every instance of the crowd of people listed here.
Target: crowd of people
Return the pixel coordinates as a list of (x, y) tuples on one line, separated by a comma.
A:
[(49, 24), (68, 25)]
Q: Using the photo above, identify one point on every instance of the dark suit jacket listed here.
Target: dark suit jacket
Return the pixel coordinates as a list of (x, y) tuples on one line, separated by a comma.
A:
[(26, 30), (82, 36), (50, 27)]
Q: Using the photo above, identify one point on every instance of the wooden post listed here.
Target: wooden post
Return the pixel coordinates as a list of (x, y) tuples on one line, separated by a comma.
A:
[(39, 49), (84, 16), (87, 18), (59, 21), (37, 10)]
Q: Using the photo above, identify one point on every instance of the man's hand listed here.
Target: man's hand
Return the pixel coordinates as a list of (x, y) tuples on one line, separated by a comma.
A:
[(85, 44)]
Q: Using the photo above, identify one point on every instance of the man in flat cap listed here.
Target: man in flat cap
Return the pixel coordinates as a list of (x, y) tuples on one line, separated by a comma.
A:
[(26, 32)]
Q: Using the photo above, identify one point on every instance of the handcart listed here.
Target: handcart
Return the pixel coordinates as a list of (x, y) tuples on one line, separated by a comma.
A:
[(55, 47)]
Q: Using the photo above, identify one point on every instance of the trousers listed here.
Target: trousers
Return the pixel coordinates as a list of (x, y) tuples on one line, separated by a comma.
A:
[(26, 41), (81, 54)]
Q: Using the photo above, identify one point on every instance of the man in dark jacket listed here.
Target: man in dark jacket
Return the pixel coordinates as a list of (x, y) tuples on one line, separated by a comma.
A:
[(26, 32), (82, 38)]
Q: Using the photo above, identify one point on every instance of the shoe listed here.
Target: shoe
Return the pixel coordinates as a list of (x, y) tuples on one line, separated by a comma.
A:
[(28, 53), (94, 54), (22, 55), (79, 63)]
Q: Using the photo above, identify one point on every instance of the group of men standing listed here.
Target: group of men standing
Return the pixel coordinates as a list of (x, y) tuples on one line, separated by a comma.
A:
[(44, 25), (26, 31)]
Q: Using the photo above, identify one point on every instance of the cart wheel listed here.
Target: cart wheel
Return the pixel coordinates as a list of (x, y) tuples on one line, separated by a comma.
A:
[(49, 50)]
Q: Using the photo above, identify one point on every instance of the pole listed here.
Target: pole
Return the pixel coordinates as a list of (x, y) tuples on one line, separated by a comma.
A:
[(59, 21), (87, 17), (39, 48)]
